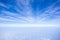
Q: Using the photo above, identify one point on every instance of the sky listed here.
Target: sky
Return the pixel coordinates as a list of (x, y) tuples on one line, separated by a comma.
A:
[(30, 12), (42, 12), (29, 19)]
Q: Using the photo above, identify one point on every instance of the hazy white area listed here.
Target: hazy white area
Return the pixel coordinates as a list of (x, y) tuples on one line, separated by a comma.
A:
[(32, 33)]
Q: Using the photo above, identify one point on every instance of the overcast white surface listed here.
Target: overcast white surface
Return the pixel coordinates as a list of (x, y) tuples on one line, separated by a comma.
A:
[(16, 33)]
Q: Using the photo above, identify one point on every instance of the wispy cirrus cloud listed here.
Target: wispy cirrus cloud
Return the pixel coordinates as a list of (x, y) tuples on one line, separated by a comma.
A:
[(25, 14)]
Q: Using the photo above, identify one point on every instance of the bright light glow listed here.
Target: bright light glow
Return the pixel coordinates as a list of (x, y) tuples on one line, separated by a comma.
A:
[(28, 25)]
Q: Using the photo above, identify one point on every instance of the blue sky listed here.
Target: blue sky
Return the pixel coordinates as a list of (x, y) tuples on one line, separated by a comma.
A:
[(30, 12), (29, 19)]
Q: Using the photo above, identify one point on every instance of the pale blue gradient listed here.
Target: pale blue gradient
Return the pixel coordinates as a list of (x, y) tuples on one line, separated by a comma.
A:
[(30, 33)]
